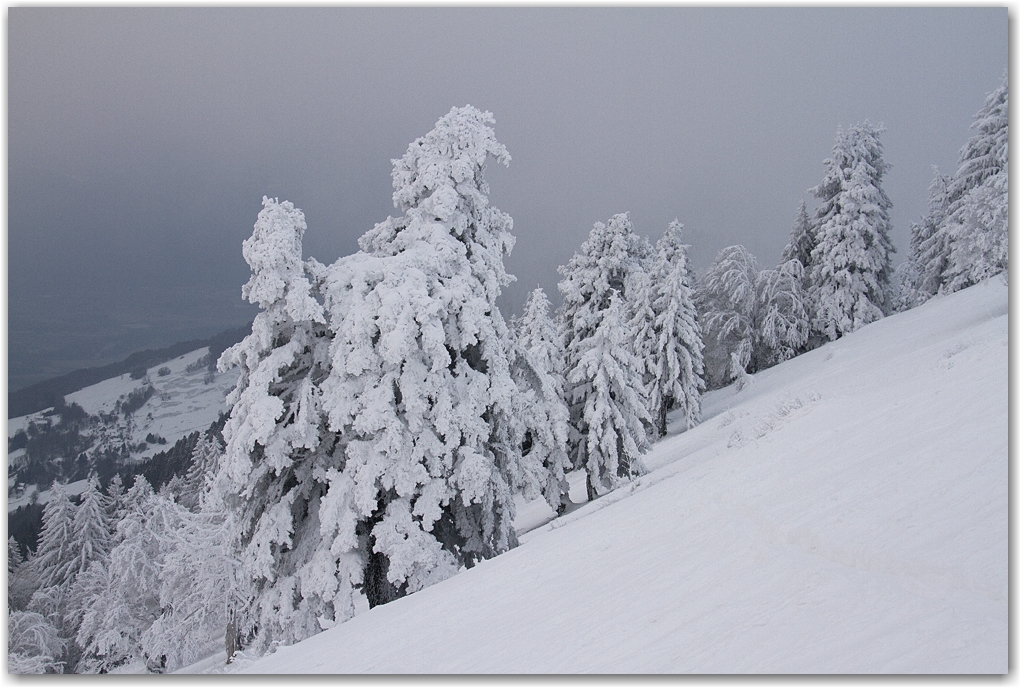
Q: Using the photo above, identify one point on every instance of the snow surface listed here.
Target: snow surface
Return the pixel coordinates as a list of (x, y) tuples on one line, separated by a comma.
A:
[(845, 512)]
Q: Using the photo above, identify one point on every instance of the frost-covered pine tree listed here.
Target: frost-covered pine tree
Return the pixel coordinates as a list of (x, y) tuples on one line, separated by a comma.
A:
[(727, 302), (420, 386), (205, 462), (979, 234), (17, 586), (121, 595), (274, 436), (986, 153), (929, 247), (91, 528), (197, 577), (538, 373), (34, 645), (53, 562), (978, 202), (609, 265), (851, 264), (802, 239), (677, 360), (782, 323), (114, 499), (607, 383), (752, 320)]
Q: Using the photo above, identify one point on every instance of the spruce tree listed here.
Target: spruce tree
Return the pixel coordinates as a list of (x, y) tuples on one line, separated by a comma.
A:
[(53, 563), (782, 322), (929, 245), (727, 302), (802, 239), (851, 264), (275, 441), (420, 385), (978, 198), (608, 268), (677, 361), (607, 384), (538, 373), (91, 527), (986, 153)]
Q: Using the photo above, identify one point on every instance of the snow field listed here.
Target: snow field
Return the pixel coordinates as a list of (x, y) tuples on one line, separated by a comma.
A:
[(846, 512), (182, 404)]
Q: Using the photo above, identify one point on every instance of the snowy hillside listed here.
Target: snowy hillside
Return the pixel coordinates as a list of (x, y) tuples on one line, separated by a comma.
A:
[(846, 512), (184, 398)]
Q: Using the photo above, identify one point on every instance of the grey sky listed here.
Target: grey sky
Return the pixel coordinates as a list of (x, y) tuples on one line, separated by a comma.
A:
[(140, 142)]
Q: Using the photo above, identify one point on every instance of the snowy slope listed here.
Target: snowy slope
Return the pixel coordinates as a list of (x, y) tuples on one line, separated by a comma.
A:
[(847, 512), (184, 401)]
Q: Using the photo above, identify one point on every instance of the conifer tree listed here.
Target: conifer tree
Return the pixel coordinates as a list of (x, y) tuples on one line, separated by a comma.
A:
[(34, 645), (607, 383), (609, 265), (677, 358), (91, 528), (978, 198), (727, 303), (929, 245), (986, 153), (52, 564), (851, 264), (121, 595), (205, 462), (420, 386), (538, 373), (802, 240), (274, 436), (752, 320), (782, 322)]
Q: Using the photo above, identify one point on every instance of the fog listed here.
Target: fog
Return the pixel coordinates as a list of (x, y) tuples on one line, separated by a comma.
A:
[(141, 141)]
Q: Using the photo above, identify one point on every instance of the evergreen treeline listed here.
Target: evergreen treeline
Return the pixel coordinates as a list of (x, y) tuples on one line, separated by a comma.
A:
[(386, 415)]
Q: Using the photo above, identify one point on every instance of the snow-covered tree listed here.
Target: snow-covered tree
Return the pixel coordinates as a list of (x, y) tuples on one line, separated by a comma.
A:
[(802, 240), (34, 645), (607, 383), (610, 266), (114, 499), (122, 595), (752, 320), (18, 587), (676, 360), (926, 264), (53, 563), (851, 264), (420, 384), (979, 234), (374, 444), (274, 434), (978, 198), (205, 462), (198, 577), (91, 528), (538, 372), (781, 318), (727, 302), (986, 153)]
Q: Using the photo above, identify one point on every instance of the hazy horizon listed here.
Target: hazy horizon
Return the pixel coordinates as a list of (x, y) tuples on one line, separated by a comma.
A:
[(141, 141)]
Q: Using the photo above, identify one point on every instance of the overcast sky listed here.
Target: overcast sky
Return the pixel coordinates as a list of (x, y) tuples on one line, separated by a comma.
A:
[(140, 142)]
